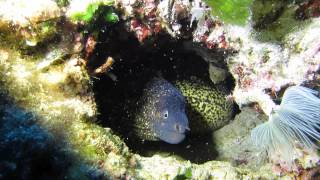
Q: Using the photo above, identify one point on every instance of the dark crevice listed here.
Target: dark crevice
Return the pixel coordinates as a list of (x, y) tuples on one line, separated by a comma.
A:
[(135, 64)]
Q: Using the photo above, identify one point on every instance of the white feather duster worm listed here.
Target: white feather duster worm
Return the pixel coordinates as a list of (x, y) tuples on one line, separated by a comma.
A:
[(296, 119)]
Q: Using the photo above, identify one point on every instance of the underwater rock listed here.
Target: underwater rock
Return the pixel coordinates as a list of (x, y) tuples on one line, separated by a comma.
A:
[(62, 98), (19, 12), (308, 9), (263, 66), (291, 132), (259, 67), (262, 70), (171, 168), (215, 57), (207, 107), (233, 141), (61, 95), (217, 74), (93, 151), (273, 20), (152, 17), (27, 150), (31, 25), (162, 113)]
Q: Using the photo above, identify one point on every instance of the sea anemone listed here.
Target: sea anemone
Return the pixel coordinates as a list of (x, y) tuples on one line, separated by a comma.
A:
[(295, 121)]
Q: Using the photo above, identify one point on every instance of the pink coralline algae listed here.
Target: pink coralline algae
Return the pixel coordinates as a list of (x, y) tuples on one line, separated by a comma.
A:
[(149, 17), (309, 9), (214, 37), (258, 67), (142, 15), (141, 30)]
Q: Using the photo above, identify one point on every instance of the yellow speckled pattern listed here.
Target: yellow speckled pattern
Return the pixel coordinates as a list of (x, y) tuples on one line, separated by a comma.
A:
[(207, 108)]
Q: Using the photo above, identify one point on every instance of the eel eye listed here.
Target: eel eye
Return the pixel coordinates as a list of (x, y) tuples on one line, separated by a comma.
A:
[(165, 114)]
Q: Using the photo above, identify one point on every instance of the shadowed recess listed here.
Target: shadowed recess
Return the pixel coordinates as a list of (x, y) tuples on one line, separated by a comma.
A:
[(135, 65)]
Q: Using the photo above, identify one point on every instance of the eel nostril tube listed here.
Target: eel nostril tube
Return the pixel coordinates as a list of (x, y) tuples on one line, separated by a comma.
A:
[(181, 129)]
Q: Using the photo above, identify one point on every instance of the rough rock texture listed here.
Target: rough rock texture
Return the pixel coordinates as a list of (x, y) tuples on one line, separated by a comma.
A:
[(61, 97), (170, 168), (26, 147), (217, 74), (262, 66), (19, 13), (233, 141), (30, 25), (56, 89), (233, 144), (257, 66)]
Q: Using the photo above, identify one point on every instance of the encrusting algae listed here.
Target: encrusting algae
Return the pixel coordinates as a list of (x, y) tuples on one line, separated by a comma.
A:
[(58, 90)]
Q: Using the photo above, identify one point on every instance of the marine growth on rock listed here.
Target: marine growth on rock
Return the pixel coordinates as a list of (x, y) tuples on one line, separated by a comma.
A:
[(294, 121)]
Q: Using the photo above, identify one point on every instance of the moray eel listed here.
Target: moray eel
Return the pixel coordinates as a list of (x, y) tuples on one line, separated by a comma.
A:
[(207, 107), (162, 113)]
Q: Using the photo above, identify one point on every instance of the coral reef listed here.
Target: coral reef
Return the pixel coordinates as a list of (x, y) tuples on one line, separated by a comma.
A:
[(19, 13), (27, 150), (28, 25), (275, 19), (67, 112), (261, 66), (234, 143), (263, 69), (51, 108), (293, 123), (62, 101), (147, 18)]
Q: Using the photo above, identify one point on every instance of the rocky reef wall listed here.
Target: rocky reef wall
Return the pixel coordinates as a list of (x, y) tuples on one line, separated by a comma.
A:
[(53, 57)]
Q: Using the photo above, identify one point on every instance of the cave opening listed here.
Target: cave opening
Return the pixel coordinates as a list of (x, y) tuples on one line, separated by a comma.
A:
[(118, 90)]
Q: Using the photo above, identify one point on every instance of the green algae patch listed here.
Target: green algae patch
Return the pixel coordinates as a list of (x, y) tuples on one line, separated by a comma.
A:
[(92, 11), (274, 20), (231, 11), (88, 15), (30, 36), (100, 141), (185, 175), (110, 16)]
